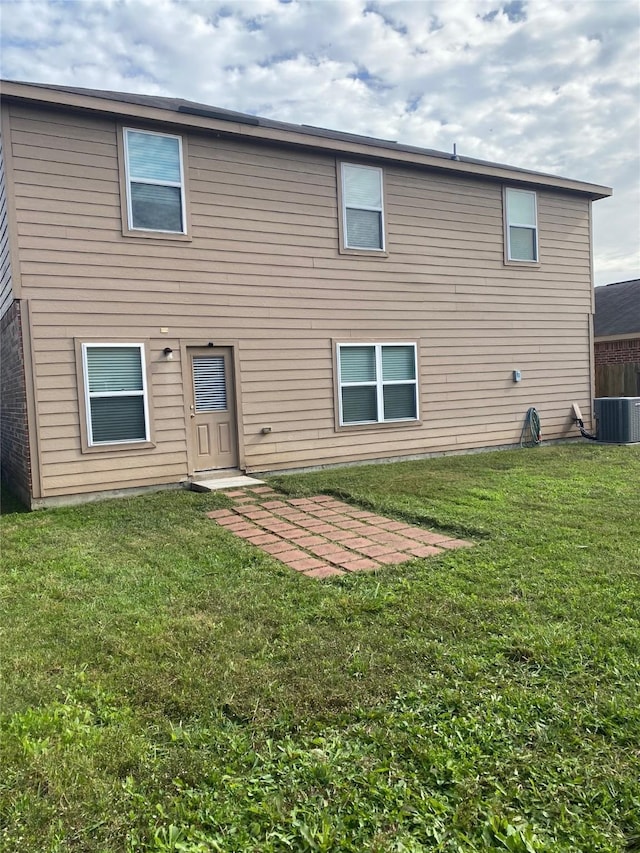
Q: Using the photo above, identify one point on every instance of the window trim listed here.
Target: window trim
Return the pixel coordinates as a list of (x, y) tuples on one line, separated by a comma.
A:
[(87, 443), (508, 225), (379, 384), (128, 229), (345, 248)]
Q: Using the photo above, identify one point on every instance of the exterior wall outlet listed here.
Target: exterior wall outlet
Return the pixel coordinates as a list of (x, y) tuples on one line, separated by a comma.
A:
[(517, 376)]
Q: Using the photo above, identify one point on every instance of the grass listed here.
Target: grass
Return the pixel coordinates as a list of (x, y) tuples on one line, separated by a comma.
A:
[(166, 687)]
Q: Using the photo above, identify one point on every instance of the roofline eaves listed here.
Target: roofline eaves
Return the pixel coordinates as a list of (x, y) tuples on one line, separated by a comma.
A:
[(621, 336), (297, 136)]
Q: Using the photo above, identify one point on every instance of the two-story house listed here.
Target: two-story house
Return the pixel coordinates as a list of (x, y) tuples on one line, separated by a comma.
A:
[(186, 288)]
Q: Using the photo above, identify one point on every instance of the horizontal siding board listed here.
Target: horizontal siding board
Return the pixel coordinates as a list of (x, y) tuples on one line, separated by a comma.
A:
[(118, 477), (229, 284), (423, 188), (261, 175), (400, 214), (32, 143), (241, 186), (450, 322), (34, 196), (408, 232), (75, 123), (80, 209), (96, 155), (519, 279), (296, 251), (533, 385), (346, 332), (278, 221), (26, 170), (90, 488), (69, 461), (434, 316), (60, 186), (307, 295), (258, 203)]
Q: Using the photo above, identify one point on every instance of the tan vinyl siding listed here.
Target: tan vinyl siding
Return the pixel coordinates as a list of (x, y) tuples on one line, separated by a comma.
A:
[(263, 270), (6, 288)]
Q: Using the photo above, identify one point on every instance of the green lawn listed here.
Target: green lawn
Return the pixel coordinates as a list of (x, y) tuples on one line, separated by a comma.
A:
[(165, 686)]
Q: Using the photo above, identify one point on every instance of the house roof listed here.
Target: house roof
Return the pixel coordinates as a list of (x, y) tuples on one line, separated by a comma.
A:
[(617, 309), (184, 113)]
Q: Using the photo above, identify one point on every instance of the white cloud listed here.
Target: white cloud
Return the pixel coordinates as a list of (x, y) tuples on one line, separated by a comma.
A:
[(552, 85)]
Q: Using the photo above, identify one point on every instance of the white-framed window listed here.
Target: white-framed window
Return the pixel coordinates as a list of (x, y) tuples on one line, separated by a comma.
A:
[(522, 225), (362, 207), (378, 383), (155, 181), (115, 387)]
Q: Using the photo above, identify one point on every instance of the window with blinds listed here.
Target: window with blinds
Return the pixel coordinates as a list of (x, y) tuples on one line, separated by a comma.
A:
[(116, 394), (155, 181), (362, 203), (522, 225), (378, 383)]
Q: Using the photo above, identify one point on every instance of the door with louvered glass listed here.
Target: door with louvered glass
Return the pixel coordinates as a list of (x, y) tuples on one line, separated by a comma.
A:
[(212, 413)]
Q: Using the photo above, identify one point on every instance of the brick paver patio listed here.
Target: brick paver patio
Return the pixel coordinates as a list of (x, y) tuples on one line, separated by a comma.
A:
[(321, 536)]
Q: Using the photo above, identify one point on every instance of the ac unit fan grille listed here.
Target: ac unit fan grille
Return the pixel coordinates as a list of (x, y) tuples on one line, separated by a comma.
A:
[(618, 419)]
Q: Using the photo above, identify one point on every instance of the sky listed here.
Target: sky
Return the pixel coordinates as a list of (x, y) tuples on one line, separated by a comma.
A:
[(548, 85)]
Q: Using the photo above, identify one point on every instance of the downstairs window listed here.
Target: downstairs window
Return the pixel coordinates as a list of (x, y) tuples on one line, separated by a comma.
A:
[(378, 383), (115, 393)]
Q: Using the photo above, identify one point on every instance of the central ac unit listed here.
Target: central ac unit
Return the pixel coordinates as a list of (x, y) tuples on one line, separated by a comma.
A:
[(618, 419)]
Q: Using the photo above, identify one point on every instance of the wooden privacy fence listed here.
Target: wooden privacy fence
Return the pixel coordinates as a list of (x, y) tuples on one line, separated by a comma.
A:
[(618, 380)]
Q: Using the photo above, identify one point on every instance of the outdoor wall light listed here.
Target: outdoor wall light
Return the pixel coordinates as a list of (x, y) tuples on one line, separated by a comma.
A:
[(168, 353)]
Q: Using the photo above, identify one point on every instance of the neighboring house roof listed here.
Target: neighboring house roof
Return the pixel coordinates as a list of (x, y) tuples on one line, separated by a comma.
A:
[(617, 309), (190, 113)]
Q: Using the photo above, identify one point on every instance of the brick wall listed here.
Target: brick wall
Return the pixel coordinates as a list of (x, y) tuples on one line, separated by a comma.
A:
[(618, 352), (14, 432)]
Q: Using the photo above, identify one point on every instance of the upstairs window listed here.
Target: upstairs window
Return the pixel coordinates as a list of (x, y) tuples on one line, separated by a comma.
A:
[(115, 393), (378, 383), (362, 207), (522, 225), (155, 181)]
